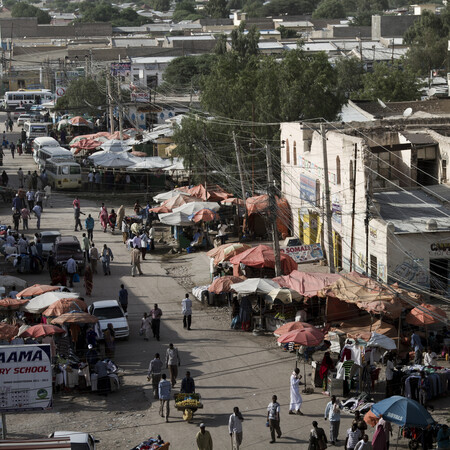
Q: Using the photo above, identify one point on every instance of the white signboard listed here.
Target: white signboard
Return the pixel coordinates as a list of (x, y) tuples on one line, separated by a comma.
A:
[(25, 378), (304, 253)]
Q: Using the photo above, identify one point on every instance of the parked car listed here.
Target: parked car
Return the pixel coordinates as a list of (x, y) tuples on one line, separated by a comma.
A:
[(110, 311), (78, 439), (25, 117), (48, 239), (66, 246), (18, 111)]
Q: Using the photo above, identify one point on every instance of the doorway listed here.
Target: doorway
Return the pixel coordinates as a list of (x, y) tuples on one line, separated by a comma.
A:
[(439, 275)]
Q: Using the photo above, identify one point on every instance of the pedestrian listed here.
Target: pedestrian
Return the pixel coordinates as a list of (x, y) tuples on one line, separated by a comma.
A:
[(90, 181), (1, 156), (273, 418), (245, 313), (25, 213), (379, 438), (416, 344), (353, 437), (359, 422), (103, 382), (88, 280), (5, 178), (235, 428), (151, 236), (37, 212), (186, 309), (112, 221), (137, 208), (20, 177), (107, 257), (11, 123), (48, 196), (204, 439), (317, 438), (135, 262), (424, 387), (154, 374), (296, 398), (98, 180), (156, 314), (16, 219), (76, 204), (76, 215), (389, 375), (364, 444), (146, 323), (71, 269), (17, 203), (333, 414), (30, 198), (125, 231), (164, 390), (109, 335), (443, 437), (187, 384), (44, 178), (93, 256), (38, 197), (86, 247), (123, 298), (387, 430), (34, 180), (103, 215), (429, 358), (326, 366), (172, 363), (144, 244), (89, 225), (12, 147)]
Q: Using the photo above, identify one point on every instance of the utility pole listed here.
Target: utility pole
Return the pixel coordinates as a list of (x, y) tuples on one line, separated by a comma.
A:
[(272, 212), (366, 224), (119, 92), (110, 107), (241, 176), (352, 240), (327, 200)]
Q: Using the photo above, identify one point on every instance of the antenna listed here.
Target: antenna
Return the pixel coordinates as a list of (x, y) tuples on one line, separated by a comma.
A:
[(407, 112), (382, 104)]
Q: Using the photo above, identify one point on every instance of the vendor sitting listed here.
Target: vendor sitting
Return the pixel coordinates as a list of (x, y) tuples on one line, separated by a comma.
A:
[(198, 238)]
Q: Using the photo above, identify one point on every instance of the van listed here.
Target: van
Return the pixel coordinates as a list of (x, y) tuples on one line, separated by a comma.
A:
[(46, 153), (63, 173), (36, 129), (41, 142)]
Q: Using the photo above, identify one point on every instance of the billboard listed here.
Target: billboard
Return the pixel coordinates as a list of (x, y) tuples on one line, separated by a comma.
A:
[(122, 69), (304, 253), (25, 378), (308, 189)]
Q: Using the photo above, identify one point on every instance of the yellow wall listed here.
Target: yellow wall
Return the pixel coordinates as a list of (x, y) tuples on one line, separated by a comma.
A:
[(311, 228)]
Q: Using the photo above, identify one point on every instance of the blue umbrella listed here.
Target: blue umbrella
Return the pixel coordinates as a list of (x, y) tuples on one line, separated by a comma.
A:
[(403, 411)]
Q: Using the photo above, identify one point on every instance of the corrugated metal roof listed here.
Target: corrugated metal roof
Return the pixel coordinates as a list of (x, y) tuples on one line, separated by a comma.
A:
[(419, 138)]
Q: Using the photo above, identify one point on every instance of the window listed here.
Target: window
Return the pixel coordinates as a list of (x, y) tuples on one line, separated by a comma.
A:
[(295, 154), (288, 155), (75, 170), (444, 171), (338, 170), (373, 267)]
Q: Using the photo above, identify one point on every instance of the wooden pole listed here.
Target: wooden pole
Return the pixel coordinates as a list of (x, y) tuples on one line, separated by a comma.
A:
[(3, 426), (398, 333), (352, 239)]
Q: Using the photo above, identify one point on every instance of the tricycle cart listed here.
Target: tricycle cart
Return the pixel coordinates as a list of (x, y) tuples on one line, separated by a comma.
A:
[(188, 403)]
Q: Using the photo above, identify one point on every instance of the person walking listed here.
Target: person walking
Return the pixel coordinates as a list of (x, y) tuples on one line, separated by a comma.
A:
[(93, 256), (25, 213), (86, 247), (235, 428), (88, 280), (317, 438), (354, 435), (164, 390), (71, 269), (107, 257), (186, 309), (146, 323), (333, 414), (77, 215), (204, 439), (135, 262), (30, 198), (123, 298), (187, 384), (38, 198), (156, 314), (154, 374), (172, 363), (37, 212), (296, 398), (103, 215), (110, 341), (89, 225), (151, 237), (273, 418), (416, 344), (20, 177)]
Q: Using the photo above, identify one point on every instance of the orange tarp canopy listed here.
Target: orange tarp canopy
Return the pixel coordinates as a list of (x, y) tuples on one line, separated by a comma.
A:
[(360, 328)]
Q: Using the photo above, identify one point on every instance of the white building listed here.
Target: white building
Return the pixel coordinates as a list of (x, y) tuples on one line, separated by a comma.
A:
[(408, 233)]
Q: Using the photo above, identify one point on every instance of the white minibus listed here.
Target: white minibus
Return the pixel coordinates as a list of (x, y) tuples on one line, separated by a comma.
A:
[(46, 153), (63, 174)]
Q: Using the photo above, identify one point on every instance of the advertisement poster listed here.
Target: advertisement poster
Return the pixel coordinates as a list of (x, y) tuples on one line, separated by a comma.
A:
[(304, 253), (25, 378), (308, 189)]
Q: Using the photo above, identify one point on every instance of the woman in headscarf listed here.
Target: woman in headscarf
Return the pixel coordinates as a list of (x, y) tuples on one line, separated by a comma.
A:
[(88, 280), (120, 214), (245, 313), (112, 220), (325, 367), (110, 336), (103, 214)]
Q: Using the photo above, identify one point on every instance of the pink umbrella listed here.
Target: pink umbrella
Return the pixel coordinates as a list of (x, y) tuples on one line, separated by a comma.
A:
[(40, 330), (308, 337), (204, 215)]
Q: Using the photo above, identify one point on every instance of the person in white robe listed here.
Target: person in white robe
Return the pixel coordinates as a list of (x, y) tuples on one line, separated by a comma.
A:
[(296, 399)]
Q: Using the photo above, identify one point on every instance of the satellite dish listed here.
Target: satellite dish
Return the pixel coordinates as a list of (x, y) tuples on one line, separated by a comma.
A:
[(407, 112), (382, 104), (431, 92)]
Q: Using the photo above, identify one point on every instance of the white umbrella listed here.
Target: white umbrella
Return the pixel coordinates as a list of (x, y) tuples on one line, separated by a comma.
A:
[(177, 165), (117, 160), (115, 146), (255, 286), (175, 218), (40, 303), (152, 162), (167, 195), (192, 208), (382, 341), (10, 281)]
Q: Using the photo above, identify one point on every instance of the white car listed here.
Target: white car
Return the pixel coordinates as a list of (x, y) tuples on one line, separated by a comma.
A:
[(110, 311), (23, 118), (48, 238), (78, 439)]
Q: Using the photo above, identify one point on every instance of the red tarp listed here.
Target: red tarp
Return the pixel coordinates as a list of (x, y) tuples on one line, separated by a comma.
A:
[(262, 256), (214, 193), (86, 144), (307, 284)]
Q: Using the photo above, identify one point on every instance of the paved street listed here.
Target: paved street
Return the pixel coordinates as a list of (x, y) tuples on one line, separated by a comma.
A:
[(230, 368)]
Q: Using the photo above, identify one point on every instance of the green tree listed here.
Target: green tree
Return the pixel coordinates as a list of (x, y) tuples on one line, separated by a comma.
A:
[(350, 73), (390, 83), (217, 9), (289, 7), (84, 95), (244, 44), (427, 39), (287, 33), (22, 9), (329, 9), (186, 10), (161, 5)]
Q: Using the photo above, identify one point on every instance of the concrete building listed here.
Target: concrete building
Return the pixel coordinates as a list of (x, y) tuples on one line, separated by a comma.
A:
[(398, 180)]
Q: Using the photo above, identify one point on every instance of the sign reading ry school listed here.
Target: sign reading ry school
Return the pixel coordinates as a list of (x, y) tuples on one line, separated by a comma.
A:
[(25, 378), (303, 253)]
